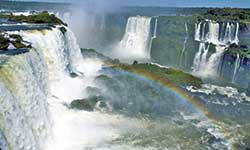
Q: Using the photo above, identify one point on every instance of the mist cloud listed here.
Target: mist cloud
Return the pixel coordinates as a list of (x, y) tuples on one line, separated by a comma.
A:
[(86, 18)]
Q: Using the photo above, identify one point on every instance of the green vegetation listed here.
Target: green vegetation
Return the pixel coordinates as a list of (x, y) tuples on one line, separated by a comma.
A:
[(16, 40), (232, 14), (88, 50), (103, 77), (4, 43), (87, 104), (42, 17), (167, 75), (242, 51), (63, 30)]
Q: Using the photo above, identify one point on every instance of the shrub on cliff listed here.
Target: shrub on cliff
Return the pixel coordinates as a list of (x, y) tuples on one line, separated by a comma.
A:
[(42, 17), (4, 43)]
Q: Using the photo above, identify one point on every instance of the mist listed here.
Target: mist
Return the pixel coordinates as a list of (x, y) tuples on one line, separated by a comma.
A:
[(87, 18)]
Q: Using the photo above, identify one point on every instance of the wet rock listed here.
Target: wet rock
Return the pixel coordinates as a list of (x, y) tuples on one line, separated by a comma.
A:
[(4, 43), (82, 105), (63, 30), (73, 75), (248, 90), (88, 104), (16, 37)]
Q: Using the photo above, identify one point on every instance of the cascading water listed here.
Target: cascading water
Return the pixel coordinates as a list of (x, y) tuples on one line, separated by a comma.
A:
[(219, 34), (25, 121), (34, 87), (200, 57), (155, 28), (236, 67), (136, 40), (154, 34), (184, 45)]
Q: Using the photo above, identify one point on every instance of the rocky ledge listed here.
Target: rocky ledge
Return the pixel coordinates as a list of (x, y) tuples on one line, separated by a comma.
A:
[(162, 74), (35, 18), (12, 41), (12, 44)]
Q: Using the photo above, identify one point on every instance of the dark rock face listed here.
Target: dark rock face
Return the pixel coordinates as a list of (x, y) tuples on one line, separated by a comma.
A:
[(16, 41), (4, 43), (82, 105), (74, 75), (88, 104), (248, 90), (63, 30)]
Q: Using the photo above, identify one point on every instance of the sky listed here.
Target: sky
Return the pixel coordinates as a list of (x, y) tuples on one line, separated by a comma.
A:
[(175, 3)]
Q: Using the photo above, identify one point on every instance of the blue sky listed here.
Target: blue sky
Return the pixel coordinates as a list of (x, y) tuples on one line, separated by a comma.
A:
[(178, 3)]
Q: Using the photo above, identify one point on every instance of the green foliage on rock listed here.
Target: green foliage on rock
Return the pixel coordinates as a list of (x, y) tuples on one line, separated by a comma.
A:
[(87, 104), (173, 76), (103, 77), (4, 43), (17, 42), (228, 14), (15, 39), (63, 30), (42, 17), (242, 51)]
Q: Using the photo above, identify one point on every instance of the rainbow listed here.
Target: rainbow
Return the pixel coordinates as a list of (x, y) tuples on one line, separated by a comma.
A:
[(173, 89)]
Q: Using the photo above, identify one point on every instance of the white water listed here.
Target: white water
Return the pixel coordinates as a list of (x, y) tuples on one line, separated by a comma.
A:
[(184, 45), (154, 34), (221, 35), (230, 92), (155, 28), (200, 57), (36, 87), (24, 117), (70, 129), (236, 67), (135, 44)]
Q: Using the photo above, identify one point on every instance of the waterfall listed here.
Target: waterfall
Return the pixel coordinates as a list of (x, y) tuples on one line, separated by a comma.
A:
[(236, 67), (154, 34), (200, 57), (197, 31), (24, 117), (184, 45), (236, 37), (136, 40), (31, 84), (213, 33), (219, 34), (155, 28)]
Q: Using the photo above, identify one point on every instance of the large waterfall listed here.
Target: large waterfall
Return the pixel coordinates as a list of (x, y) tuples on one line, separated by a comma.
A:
[(212, 33), (136, 40), (31, 84), (24, 109)]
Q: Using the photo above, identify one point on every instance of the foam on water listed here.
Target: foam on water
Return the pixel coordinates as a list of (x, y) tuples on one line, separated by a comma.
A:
[(230, 92)]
